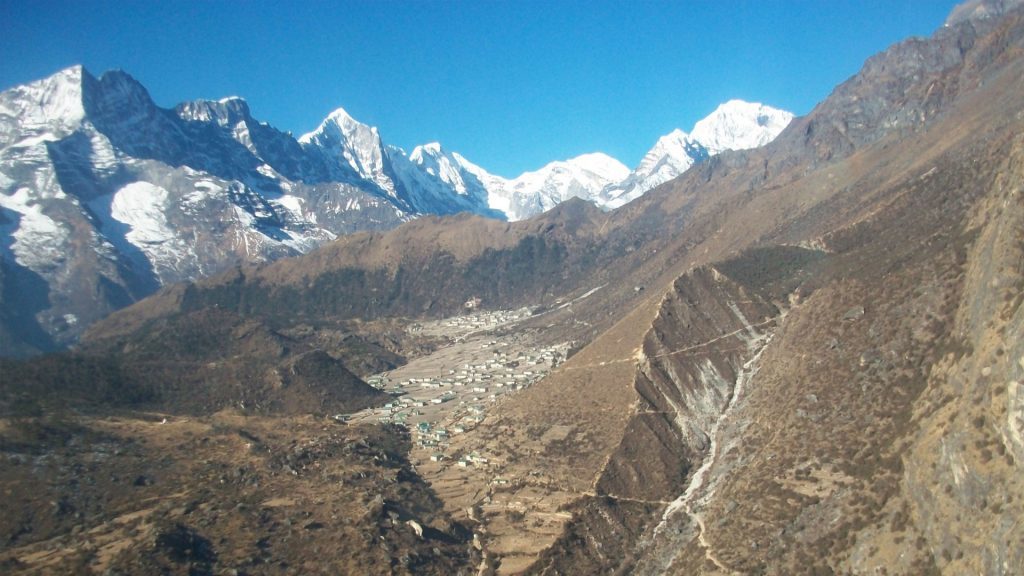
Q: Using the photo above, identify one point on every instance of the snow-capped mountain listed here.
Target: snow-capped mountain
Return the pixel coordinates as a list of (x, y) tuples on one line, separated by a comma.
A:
[(430, 167), (735, 125), (599, 178), (441, 182), (426, 182), (433, 180), (539, 191), (350, 149), (450, 168), (739, 125), (106, 197), (671, 155)]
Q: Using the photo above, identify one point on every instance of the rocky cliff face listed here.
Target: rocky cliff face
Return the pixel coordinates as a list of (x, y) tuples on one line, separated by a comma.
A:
[(706, 330), (696, 359)]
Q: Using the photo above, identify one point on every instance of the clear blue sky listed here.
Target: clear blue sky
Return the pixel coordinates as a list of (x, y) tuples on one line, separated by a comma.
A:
[(510, 85)]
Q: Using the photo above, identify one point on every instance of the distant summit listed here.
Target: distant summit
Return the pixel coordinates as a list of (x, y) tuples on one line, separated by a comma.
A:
[(735, 125), (532, 193), (739, 125)]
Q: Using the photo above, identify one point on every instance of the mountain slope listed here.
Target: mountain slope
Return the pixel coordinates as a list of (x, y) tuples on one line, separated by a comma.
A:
[(856, 431)]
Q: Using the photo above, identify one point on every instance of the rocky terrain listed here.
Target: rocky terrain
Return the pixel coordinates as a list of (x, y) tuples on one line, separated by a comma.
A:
[(801, 358), (154, 493)]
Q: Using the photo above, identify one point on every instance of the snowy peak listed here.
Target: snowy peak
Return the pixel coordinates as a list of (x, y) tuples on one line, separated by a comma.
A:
[(535, 192), (446, 167), (671, 140), (349, 145), (675, 150), (429, 181), (44, 109), (584, 169), (342, 149), (432, 179), (599, 166), (441, 182), (224, 112), (343, 132), (339, 124), (431, 156), (734, 125), (431, 149), (59, 97), (739, 125)]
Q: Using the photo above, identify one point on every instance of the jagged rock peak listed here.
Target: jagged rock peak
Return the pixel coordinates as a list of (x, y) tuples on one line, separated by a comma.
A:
[(225, 112), (115, 95), (54, 100), (349, 145), (338, 121)]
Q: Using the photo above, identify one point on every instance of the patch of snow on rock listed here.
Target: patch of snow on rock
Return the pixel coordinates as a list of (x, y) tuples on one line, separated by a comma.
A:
[(141, 206), (38, 239)]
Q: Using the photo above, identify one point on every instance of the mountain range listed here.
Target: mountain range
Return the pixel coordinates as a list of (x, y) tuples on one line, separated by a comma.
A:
[(802, 358), (105, 196)]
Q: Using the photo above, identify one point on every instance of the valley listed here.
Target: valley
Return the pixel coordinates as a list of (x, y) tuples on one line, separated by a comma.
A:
[(799, 358), (486, 359), (107, 197), (444, 396)]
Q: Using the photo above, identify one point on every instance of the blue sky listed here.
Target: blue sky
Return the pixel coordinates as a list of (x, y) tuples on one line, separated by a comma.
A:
[(510, 85)]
